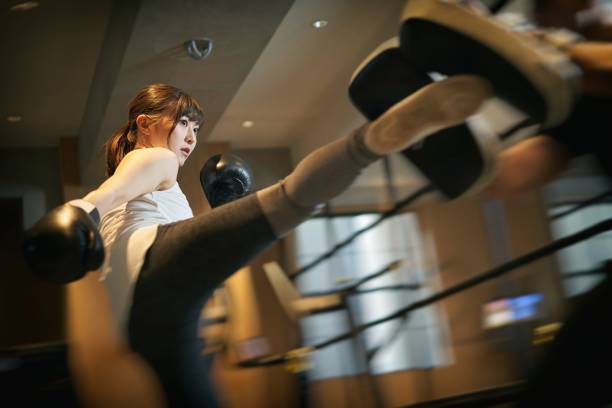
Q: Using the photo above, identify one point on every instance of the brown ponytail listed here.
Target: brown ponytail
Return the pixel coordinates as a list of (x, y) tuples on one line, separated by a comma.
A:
[(155, 100), (117, 146)]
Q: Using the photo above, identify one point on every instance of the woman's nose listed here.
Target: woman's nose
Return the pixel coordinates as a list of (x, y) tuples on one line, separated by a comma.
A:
[(189, 138)]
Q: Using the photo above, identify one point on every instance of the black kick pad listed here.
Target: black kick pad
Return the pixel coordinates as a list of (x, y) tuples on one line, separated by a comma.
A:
[(450, 159), (431, 47), (384, 81)]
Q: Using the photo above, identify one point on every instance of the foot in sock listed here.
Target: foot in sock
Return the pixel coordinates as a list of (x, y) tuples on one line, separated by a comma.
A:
[(436, 106)]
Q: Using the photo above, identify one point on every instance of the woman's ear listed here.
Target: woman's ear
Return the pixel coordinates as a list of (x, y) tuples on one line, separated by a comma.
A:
[(143, 123)]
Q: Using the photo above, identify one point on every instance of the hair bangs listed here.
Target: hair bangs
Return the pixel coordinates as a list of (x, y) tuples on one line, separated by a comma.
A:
[(188, 106)]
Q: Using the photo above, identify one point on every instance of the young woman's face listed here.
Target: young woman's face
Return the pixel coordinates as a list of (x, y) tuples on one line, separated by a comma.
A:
[(183, 139)]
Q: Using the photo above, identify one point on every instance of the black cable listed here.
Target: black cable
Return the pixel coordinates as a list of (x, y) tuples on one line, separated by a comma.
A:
[(402, 286), (582, 274), (595, 199), (586, 203), (351, 288), (390, 267), (390, 339), (554, 246), (392, 211), (411, 198), (398, 329), (495, 272), (601, 270)]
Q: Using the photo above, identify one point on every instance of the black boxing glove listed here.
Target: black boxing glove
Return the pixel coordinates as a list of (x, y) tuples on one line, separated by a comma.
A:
[(65, 244), (225, 178)]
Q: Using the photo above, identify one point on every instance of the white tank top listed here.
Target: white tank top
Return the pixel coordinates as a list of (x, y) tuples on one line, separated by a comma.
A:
[(128, 231)]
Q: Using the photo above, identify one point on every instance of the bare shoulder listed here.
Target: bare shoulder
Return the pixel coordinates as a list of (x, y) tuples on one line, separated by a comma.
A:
[(152, 154), (155, 167)]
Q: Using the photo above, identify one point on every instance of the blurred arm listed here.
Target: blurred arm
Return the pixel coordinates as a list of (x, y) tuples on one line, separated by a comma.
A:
[(595, 59), (527, 166), (106, 372)]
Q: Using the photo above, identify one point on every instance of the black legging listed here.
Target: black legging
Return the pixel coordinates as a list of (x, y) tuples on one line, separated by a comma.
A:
[(185, 264)]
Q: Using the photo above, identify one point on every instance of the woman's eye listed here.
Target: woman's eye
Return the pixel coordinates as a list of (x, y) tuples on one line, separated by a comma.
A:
[(183, 122), (196, 130)]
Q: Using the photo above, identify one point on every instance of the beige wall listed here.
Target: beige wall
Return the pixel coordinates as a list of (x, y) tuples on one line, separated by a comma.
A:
[(31, 311), (39, 168), (463, 250), (268, 165)]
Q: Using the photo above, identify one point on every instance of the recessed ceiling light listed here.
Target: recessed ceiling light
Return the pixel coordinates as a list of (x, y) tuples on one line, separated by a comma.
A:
[(319, 23), (13, 119), (25, 6), (247, 123)]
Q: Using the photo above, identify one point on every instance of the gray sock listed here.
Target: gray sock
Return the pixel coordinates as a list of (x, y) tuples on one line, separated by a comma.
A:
[(318, 178)]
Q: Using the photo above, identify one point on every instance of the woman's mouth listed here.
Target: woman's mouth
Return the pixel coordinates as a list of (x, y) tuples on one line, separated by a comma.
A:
[(186, 151)]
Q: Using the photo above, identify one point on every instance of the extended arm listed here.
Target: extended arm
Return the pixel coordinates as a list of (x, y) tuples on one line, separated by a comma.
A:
[(106, 372), (65, 244), (527, 166), (595, 59), (141, 171)]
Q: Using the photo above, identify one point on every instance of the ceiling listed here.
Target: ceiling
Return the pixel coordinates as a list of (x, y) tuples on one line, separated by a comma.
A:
[(71, 68), (50, 56)]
